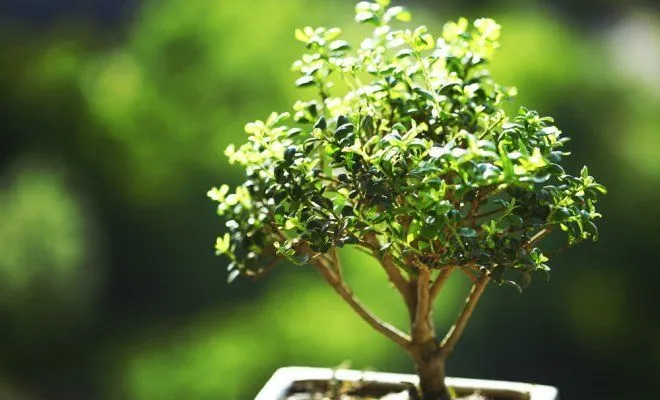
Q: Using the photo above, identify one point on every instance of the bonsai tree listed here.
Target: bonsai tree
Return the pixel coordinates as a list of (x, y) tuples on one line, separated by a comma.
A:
[(406, 152)]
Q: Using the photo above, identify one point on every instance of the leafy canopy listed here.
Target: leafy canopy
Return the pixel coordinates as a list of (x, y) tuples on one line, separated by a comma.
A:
[(406, 150)]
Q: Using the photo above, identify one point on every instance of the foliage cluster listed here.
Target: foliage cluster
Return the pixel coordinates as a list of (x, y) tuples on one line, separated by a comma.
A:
[(407, 153)]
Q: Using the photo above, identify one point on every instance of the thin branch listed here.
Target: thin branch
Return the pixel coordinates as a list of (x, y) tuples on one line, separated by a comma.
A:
[(379, 325), (330, 179), (560, 250), (336, 263), (474, 209), (440, 281), (392, 271), (466, 270), (326, 266), (536, 238), (394, 274), (455, 332), (489, 213), (263, 270), (398, 280)]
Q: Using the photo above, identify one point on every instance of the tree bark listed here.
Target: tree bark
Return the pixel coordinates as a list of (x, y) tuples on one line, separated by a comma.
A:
[(430, 366), (424, 348)]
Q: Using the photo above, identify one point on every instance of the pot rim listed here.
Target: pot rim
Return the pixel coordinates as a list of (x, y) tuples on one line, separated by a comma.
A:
[(278, 385)]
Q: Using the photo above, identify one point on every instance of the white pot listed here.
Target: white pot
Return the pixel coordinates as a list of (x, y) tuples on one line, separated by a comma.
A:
[(286, 379)]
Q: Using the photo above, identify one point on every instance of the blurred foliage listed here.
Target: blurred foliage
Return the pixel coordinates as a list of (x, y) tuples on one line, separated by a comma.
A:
[(45, 245), (180, 61), (137, 116)]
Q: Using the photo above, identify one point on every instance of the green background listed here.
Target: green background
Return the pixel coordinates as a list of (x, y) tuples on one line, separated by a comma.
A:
[(113, 120)]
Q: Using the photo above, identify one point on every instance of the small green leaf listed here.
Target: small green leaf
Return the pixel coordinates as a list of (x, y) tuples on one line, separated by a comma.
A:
[(363, 17), (222, 244), (300, 35), (599, 187), (301, 258), (584, 173), (305, 81), (294, 132), (332, 34), (233, 275), (398, 13), (467, 232), (554, 169), (403, 53), (515, 285), (338, 45), (321, 123), (344, 130), (592, 229)]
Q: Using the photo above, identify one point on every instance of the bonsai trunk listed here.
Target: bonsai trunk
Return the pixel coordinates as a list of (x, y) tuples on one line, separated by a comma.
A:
[(424, 349), (431, 371)]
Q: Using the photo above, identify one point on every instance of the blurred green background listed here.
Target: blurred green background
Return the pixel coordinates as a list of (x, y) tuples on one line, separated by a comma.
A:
[(113, 119)]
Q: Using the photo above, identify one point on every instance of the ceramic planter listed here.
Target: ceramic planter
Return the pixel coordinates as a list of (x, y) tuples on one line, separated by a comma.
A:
[(290, 380)]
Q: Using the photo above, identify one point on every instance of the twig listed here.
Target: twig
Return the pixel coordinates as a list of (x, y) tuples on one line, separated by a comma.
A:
[(466, 271), (263, 270), (330, 179), (560, 250), (489, 213), (440, 281), (474, 208), (336, 263), (539, 235), (392, 271), (345, 292), (455, 332)]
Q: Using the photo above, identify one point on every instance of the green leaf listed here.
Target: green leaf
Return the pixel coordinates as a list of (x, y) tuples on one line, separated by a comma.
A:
[(305, 81), (369, 17), (332, 34), (443, 207), (222, 244), (403, 53), (554, 169), (584, 173), (545, 270), (300, 35), (404, 16), (467, 232), (338, 45), (344, 130), (399, 127), (514, 220), (599, 187), (294, 132), (398, 13), (592, 229), (321, 123), (561, 214), (301, 258), (233, 275), (515, 285), (424, 93)]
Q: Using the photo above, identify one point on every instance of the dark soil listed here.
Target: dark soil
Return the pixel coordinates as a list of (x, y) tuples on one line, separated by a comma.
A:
[(335, 390), (393, 396)]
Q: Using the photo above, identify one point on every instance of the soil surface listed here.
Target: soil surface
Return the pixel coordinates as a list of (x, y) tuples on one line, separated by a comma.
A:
[(338, 390), (392, 396)]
